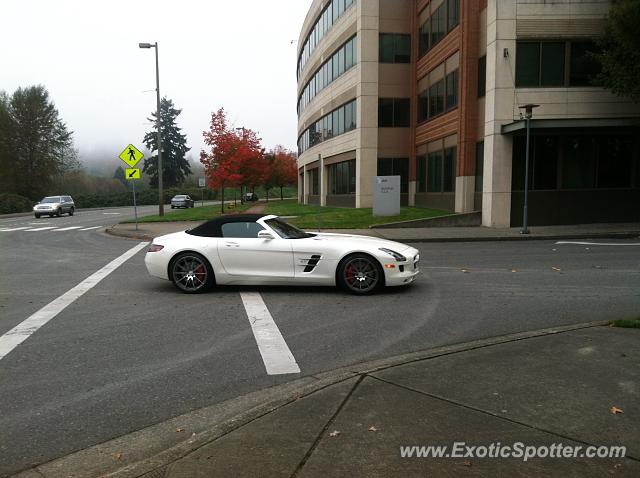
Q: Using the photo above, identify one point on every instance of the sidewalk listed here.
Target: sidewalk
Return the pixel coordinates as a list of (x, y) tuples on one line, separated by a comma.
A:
[(147, 231), (538, 388)]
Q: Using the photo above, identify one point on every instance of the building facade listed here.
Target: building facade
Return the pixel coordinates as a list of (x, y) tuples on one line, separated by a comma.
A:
[(431, 90)]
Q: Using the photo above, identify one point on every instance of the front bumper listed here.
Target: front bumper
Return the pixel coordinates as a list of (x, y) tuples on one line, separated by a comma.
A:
[(403, 273)]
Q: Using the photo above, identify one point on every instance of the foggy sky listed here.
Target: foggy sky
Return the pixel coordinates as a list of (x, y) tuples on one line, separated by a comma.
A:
[(232, 53)]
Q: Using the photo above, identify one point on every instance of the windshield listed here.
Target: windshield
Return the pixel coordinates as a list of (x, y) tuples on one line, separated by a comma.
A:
[(51, 199), (287, 231), (179, 197)]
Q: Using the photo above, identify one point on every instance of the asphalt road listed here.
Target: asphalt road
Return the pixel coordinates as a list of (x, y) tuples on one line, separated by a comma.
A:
[(132, 351)]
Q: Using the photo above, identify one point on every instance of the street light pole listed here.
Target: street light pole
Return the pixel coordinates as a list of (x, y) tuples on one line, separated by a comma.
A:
[(528, 113), (159, 140)]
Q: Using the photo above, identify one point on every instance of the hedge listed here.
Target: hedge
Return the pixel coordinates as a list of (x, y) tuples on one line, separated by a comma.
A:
[(10, 203)]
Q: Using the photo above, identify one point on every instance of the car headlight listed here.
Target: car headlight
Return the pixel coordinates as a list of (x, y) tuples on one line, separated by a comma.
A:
[(397, 256)]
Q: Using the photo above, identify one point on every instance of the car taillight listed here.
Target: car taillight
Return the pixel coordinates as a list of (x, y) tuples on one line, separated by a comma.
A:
[(155, 248)]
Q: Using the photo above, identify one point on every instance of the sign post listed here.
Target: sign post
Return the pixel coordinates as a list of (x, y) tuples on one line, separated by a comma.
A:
[(202, 183), (132, 156)]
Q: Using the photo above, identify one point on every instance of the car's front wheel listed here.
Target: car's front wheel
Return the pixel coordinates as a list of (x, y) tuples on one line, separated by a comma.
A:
[(71, 211), (191, 273), (37, 216), (360, 274)]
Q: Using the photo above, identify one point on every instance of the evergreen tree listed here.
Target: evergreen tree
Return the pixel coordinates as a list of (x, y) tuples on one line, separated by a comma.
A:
[(120, 176), (175, 167), (35, 145)]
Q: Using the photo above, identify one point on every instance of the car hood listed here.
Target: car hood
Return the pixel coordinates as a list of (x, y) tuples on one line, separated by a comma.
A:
[(370, 241)]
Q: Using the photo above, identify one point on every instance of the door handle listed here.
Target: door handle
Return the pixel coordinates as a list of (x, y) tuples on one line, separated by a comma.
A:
[(231, 244)]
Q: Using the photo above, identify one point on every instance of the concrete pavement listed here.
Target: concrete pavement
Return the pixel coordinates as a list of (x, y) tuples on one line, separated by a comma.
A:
[(558, 388)]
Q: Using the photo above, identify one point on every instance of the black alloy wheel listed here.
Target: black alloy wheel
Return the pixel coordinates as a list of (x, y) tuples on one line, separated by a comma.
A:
[(360, 274), (191, 273)]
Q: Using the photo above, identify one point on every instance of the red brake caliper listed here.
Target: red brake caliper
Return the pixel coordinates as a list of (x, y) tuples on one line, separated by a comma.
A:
[(350, 271), (200, 271)]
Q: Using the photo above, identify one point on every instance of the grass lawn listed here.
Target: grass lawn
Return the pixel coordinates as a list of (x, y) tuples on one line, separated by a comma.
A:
[(342, 218), (194, 214), (627, 323)]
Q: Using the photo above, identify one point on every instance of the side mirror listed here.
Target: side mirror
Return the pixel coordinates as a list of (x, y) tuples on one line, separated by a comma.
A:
[(264, 234)]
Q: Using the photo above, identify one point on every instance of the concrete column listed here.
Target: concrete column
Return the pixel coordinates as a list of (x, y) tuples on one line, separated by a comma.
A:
[(465, 189), (367, 111), (412, 193), (501, 35), (324, 182)]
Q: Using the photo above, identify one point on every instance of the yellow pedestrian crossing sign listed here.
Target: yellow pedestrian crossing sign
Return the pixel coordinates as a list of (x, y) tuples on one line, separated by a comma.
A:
[(132, 173), (131, 155)]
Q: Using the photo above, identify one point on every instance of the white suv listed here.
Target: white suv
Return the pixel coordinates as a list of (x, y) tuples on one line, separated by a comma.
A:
[(54, 206)]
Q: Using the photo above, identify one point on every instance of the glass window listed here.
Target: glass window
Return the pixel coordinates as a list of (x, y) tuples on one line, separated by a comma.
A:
[(340, 112), (394, 48), (545, 170), (401, 112), (552, 65), (527, 64), (340, 56), (438, 24), (336, 67), (583, 66), (423, 38), (479, 165), (334, 6), (434, 172), (449, 173), (385, 112), (348, 57), (421, 174), (482, 76), (578, 162), (423, 106), (614, 162), (452, 89), (241, 229), (395, 167), (315, 182), (436, 99), (453, 13)]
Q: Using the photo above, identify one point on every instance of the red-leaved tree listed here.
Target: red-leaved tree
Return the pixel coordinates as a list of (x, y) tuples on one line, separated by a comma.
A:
[(235, 159), (283, 170)]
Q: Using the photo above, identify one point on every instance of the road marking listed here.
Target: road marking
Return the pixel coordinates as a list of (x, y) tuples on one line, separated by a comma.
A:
[(40, 228), (89, 228), (111, 213), (8, 229), (276, 355), (69, 228), (22, 331), (599, 243)]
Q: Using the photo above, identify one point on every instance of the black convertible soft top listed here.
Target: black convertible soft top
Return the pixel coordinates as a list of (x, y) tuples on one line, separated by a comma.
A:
[(213, 228)]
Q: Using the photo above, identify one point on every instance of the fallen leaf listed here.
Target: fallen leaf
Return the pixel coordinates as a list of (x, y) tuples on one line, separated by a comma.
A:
[(616, 410), (372, 429), (557, 269), (178, 430), (514, 270), (467, 463), (554, 250), (334, 433), (116, 456), (464, 271), (296, 396)]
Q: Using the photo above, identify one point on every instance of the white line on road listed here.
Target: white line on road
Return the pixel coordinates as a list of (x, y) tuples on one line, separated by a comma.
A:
[(8, 229), (40, 228), (68, 228), (111, 213), (599, 243), (276, 355), (22, 331), (89, 228)]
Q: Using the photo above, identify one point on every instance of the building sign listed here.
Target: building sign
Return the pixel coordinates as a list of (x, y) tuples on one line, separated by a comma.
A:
[(386, 195)]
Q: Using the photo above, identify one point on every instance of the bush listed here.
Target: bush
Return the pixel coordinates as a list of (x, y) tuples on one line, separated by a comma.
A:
[(10, 203)]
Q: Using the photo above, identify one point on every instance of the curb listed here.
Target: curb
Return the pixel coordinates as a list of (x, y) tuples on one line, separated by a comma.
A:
[(128, 235), (270, 400)]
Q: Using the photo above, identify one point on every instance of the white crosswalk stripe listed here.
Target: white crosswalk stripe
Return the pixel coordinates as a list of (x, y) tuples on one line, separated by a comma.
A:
[(68, 228), (49, 229)]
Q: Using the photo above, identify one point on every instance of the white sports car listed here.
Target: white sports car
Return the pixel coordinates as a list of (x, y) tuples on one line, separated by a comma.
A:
[(249, 249)]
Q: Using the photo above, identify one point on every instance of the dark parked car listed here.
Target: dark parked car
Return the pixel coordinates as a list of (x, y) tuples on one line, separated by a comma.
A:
[(250, 197), (54, 206), (181, 200)]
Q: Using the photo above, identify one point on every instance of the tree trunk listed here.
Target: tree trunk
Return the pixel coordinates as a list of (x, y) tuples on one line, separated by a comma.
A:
[(281, 196), (222, 203)]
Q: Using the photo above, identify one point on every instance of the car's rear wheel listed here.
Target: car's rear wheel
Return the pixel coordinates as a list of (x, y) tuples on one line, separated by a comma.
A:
[(59, 212), (191, 273), (71, 211), (37, 216), (360, 274)]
